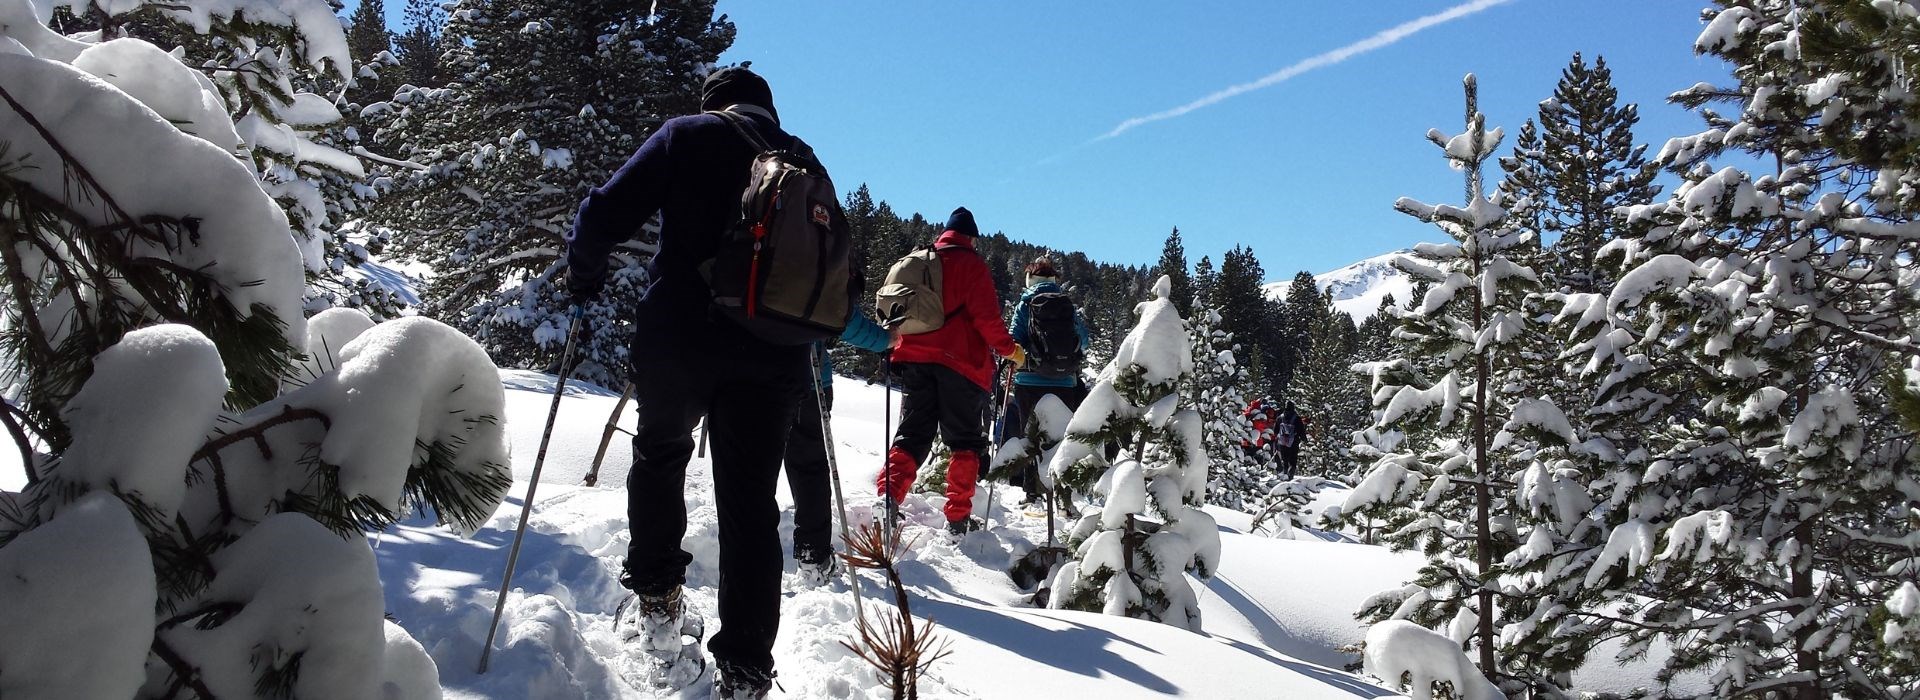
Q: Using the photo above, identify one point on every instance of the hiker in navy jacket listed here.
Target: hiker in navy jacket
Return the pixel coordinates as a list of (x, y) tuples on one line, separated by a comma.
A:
[(689, 363), (807, 474), (1034, 382)]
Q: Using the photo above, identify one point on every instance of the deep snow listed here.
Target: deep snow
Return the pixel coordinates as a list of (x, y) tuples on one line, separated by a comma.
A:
[(1275, 618)]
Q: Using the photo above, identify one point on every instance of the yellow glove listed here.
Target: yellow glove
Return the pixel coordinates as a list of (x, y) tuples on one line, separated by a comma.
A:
[(1019, 356)]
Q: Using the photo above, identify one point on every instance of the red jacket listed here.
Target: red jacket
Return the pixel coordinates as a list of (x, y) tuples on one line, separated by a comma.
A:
[(973, 317), (1264, 421)]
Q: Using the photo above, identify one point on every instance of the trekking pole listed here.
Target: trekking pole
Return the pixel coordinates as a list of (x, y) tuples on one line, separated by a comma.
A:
[(999, 430), (703, 438), (533, 482), (833, 468), (606, 436), (886, 443)]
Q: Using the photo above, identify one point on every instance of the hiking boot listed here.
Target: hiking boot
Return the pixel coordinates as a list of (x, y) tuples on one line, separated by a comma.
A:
[(656, 621), (816, 567), (959, 528), (736, 682)]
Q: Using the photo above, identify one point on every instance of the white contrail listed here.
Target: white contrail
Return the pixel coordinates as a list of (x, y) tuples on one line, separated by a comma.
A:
[(1383, 39)]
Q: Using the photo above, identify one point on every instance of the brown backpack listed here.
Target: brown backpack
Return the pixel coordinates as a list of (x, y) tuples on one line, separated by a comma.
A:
[(782, 270), (910, 300)]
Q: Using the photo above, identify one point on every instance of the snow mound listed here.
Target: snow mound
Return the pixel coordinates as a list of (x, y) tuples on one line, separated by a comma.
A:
[(77, 601), (1397, 647)]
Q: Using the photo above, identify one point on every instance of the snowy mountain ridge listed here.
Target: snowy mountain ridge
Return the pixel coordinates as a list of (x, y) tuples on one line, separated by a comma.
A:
[(1358, 288)]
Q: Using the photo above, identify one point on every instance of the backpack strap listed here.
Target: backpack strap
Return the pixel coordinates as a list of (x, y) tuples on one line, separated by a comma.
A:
[(741, 125), (744, 126)]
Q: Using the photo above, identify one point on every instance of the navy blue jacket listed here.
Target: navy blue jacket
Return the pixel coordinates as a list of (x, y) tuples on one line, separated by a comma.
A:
[(692, 171)]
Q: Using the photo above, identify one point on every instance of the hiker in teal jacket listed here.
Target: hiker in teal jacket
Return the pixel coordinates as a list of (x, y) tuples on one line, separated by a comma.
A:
[(1055, 340), (806, 456)]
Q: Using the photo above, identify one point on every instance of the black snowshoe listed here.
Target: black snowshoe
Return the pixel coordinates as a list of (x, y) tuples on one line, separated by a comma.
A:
[(817, 568), (662, 641), (960, 528), (742, 683)]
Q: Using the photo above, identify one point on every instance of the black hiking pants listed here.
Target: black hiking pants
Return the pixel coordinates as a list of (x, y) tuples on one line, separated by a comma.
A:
[(810, 480), (1025, 398), (934, 397), (684, 370), (1290, 458)]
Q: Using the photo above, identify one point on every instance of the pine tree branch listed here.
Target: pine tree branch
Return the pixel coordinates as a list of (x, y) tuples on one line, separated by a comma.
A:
[(12, 417), (22, 289), (183, 672), (256, 432), (67, 156)]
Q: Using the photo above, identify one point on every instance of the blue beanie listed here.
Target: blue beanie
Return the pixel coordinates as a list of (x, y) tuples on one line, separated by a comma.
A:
[(962, 221)]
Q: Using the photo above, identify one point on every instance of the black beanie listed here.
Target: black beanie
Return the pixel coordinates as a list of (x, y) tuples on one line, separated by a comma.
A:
[(962, 221), (736, 85)]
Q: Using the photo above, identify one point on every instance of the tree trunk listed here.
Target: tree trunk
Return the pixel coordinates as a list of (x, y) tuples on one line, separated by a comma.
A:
[(1483, 502)]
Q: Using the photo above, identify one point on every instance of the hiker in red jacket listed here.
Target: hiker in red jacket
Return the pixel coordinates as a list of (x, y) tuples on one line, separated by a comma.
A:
[(1260, 412), (945, 375)]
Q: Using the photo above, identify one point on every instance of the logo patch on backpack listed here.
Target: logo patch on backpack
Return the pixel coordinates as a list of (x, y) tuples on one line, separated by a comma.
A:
[(820, 214)]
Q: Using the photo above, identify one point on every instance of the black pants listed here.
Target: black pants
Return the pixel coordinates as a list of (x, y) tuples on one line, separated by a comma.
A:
[(747, 391), (1025, 398), (1290, 458), (936, 397), (810, 480)]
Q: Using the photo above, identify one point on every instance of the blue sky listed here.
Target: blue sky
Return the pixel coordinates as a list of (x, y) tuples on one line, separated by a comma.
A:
[(1000, 106), (995, 105)]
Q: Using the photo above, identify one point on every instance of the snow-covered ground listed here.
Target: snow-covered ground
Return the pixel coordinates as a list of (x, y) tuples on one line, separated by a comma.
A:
[(1276, 618), (558, 640)]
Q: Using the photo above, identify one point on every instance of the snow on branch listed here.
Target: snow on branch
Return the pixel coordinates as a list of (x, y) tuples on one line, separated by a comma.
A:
[(238, 236), (323, 41), (1397, 649)]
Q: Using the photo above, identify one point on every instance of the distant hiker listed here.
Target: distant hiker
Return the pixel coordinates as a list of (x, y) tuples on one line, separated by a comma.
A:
[(806, 458), (701, 349), (1288, 432), (1262, 416), (1054, 335), (945, 372)]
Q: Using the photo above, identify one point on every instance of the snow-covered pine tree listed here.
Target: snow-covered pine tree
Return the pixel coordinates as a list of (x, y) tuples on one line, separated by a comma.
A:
[(1581, 166), (1243, 312), (1204, 279), (277, 70), (1329, 393), (371, 44), (419, 48), (1173, 265), (1294, 318), (1770, 537), (548, 98), (153, 310), (1241, 475), (1132, 552), (1442, 491)]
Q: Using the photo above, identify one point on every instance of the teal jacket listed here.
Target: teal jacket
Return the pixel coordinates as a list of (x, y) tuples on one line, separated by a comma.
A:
[(1019, 331), (861, 333)]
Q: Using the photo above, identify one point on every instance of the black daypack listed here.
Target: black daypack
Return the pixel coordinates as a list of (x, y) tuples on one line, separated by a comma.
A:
[(782, 270), (1053, 335)]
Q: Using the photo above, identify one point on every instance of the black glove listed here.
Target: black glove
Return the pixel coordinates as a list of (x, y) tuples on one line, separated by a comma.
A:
[(581, 292)]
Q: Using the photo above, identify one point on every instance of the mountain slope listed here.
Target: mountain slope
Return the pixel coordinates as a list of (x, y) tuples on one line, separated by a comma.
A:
[(1359, 287)]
